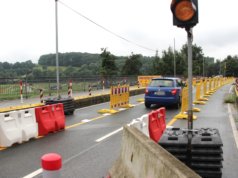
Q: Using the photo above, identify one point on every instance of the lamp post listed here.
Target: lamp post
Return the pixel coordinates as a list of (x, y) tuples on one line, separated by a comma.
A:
[(57, 55), (174, 60), (203, 67)]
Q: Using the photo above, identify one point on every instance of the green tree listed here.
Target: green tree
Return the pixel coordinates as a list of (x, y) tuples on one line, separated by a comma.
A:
[(167, 65), (132, 65), (230, 66), (197, 57), (108, 67), (157, 62)]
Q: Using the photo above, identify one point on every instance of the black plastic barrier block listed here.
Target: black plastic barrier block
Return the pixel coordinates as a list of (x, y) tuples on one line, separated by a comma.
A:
[(204, 155), (206, 165), (207, 137), (174, 137), (67, 102), (212, 158), (209, 173), (201, 151), (175, 141)]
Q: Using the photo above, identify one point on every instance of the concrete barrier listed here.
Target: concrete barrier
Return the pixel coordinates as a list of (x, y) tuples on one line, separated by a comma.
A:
[(142, 157)]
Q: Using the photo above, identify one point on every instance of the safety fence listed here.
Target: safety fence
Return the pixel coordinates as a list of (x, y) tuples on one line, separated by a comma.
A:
[(22, 125), (119, 98), (205, 87), (143, 81), (11, 88)]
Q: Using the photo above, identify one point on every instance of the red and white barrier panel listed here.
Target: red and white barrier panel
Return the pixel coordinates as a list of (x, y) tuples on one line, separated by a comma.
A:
[(22, 125), (70, 89), (21, 91), (152, 124)]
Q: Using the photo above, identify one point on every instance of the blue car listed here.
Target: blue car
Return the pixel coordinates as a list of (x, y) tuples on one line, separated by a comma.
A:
[(164, 91)]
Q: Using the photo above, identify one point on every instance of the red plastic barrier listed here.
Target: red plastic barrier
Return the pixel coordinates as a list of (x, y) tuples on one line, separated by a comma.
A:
[(58, 114), (161, 117), (50, 118), (155, 130), (157, 124), (45, 120)]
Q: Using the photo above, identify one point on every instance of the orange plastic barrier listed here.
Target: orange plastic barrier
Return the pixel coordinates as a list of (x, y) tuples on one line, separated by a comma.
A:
[(157, 124), (50, 118)]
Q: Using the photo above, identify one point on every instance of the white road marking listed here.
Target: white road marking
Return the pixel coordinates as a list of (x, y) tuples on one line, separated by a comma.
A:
[(33, 174), (106, 114), (86, 120), (108, 135), (122, 109), (233, 125)]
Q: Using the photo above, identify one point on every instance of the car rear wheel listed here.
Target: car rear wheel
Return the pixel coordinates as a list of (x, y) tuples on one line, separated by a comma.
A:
[(147, 105)]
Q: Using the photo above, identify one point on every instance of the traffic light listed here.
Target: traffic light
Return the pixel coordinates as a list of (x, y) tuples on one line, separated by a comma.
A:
[(185, 13)]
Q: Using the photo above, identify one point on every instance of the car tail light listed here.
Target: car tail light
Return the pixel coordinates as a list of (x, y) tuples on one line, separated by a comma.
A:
[(146, 91), (174, 91)]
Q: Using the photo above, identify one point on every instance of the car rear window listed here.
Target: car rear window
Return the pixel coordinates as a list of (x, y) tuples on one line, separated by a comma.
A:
[(161, 83)]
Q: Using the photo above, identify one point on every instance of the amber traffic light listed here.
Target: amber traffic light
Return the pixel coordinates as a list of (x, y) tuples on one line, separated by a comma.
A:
[(185, 13)]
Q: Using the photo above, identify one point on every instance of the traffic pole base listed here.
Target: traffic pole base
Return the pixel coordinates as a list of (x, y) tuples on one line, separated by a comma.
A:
[(127, 106), (199, 102), (196, 110), (211, 92), (203, 99), (208, 94), (183, 116), (108, 111), (140, 100)]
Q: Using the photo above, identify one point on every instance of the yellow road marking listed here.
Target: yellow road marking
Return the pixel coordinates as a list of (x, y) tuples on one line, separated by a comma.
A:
[(172, 122), (96, 118), (2, 148)]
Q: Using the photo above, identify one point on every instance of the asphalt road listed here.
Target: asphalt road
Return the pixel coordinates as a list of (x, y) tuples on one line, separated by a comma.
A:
[(86, 154), (82, 155)]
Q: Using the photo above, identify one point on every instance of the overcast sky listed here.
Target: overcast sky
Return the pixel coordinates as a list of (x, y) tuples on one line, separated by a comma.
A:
[(28, 27)]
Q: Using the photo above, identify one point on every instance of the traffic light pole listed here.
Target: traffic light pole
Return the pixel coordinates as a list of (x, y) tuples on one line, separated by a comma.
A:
[(190, 78), (190, 94)]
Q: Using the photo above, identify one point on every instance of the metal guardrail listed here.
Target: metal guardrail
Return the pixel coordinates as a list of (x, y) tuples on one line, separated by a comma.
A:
[(10, 87)]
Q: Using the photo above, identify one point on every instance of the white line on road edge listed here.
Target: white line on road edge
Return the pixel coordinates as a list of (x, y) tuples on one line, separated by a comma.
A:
[(233, 125), (106, 114), (108, 135), (33, 174), (86, 120)]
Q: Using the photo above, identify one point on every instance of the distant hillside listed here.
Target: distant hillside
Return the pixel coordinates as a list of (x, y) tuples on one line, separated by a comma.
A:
[(75, 59)]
